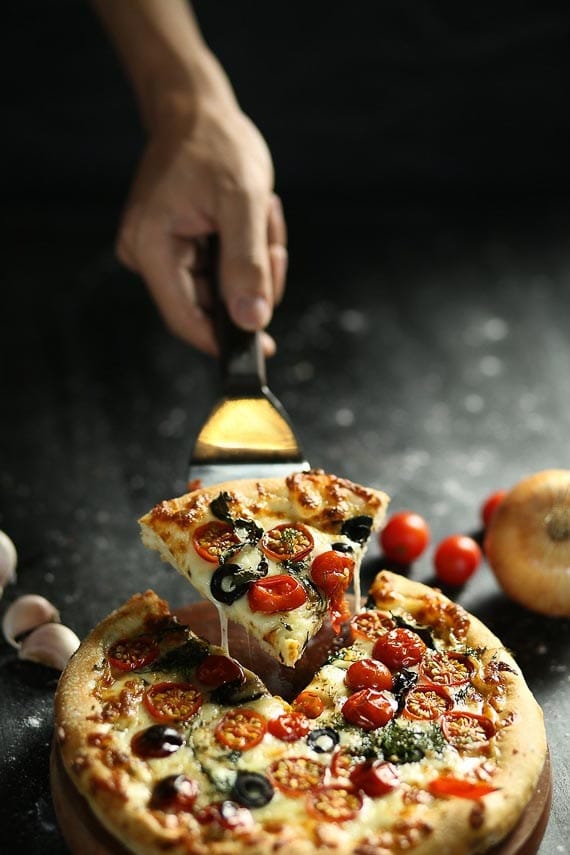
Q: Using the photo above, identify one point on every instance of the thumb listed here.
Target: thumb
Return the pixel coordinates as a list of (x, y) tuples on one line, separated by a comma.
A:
[(245, 269)]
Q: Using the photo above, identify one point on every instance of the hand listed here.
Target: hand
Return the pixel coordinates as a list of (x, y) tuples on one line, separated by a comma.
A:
[(207, 172)]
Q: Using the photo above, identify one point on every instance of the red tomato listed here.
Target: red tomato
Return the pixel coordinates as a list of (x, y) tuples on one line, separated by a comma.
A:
[(289, 726), (128, 654), (368, 674), (399, 648), (227, 814), (426, 703), (212, 539), (446, 785), (342, 764), (375, 778), (446, 669), (309, 703), (332, 571), (216, 670), (172, 701), (490, 505), (466, 730), (272, 594), (287, 542), (295, 776), (405, 537), (368, 709), (241, 729), (370, 625), (334, 803), (456, 559)]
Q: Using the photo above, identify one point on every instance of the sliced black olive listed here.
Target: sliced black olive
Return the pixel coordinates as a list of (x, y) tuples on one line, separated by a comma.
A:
[(227, 584), (323, 740), (342, 547), (252, 790), (158, 740), (357, 528), (422, 631), (402, 682), (235, 692)]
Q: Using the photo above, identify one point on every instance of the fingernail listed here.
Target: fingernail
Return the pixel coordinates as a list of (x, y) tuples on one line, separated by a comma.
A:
[(252, 313)]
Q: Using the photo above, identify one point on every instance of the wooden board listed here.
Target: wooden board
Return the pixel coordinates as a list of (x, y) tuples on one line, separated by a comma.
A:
[(85, 835)]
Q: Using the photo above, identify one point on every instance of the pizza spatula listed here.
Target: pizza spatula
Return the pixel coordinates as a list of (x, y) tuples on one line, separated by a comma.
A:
[(248, 433)]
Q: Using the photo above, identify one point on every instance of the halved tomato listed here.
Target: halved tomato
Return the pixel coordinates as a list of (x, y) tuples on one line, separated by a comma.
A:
[(446, 669), (170, 702), (289, 727), (371, 625), (375, 778), (426, 703), (287, 542), (212, 539), (128, 654), (241, 729), (273, 594), (296, 776), (465, 730), (334, 803)]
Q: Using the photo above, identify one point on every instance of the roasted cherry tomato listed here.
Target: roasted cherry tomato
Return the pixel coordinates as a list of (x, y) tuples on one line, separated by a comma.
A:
[(370, 625), (446, 785), (446, 669), (212, 539), (227, 814), (466, 730), (272, 594), (295, 776), (375, 778), (405, 537), (287, 542), (217, 670), (343, 763), (309, 703), (368, 709), (332, 571), (241, 729), (171, 702), (399, 648), (456, 559), (334, 803), (490, 505), (128, 654), (175, 792), (289, 727), (368, 674), (426, 703)]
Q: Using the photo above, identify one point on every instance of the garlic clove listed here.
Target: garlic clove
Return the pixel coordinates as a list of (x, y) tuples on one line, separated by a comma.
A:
[(50, 644), (27, 613), (8, 560)]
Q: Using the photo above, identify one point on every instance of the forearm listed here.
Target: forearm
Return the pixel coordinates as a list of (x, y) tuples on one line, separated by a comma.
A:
[(170, 66)]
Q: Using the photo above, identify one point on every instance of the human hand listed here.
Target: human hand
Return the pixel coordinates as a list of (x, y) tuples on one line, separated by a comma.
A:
[(207, 172)]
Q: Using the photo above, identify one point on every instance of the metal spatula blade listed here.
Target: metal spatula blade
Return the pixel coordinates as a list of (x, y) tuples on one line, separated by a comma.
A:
[(248, 434)]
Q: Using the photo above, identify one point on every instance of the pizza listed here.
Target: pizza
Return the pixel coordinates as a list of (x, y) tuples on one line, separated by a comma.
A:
[(275, 555), (417, 733)]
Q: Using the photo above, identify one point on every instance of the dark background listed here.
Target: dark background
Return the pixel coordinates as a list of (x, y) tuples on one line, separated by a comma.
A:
[(421, 152)]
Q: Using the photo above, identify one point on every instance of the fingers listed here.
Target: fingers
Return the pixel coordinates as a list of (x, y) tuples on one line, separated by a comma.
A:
[(277, 242)]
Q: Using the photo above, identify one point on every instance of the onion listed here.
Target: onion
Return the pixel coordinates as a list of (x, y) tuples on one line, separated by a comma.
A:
[(528, 542)]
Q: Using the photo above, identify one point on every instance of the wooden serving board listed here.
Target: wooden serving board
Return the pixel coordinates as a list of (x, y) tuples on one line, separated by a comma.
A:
[(85, 835)]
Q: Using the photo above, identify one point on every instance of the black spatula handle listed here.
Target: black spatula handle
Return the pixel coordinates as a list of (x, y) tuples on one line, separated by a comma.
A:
[(241, 356)]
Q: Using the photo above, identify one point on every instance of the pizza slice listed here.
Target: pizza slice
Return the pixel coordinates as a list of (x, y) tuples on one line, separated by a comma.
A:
[(274, 555)]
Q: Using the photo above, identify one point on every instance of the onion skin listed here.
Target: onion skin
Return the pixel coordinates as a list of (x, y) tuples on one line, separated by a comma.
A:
[(527, 543)]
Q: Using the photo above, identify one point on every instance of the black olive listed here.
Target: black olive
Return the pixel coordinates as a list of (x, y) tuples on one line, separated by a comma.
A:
[(158, 740), (357, 528), (174, 791), (402, 682), (252, 789), (238, 692), (423, 632), (226, 585), (342, 547), (323, 740)]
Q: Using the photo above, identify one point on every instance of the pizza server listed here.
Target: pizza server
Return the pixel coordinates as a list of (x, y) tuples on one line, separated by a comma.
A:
[(248, 433)]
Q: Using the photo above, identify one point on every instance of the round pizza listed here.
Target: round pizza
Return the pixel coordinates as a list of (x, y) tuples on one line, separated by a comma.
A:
[(416, 733)]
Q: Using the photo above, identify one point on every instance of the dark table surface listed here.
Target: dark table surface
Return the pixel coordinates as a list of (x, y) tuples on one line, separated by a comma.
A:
[(423, 349)]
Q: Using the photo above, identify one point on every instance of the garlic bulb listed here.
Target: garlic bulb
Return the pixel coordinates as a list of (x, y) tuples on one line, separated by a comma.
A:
[(50, 644), (8, 560), (27, 613)]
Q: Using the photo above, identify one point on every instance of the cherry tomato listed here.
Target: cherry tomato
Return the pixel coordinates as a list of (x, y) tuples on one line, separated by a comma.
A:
[(128, 654), (287, 542), (446, 785), (332, 571), (426, 703), (375, 778), (295, 776), (171, 702), (241, 729), (456, 559), (289, 726), (466, 730), (175, 792), (399, 648), (368, 674), (216, 670), (227, 814), (490, 505), (446, 669), (334, 803), (368, 709), (309, 703), (212, 539), (273, 594), (370, 625), (342, 764), (405, 537)]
